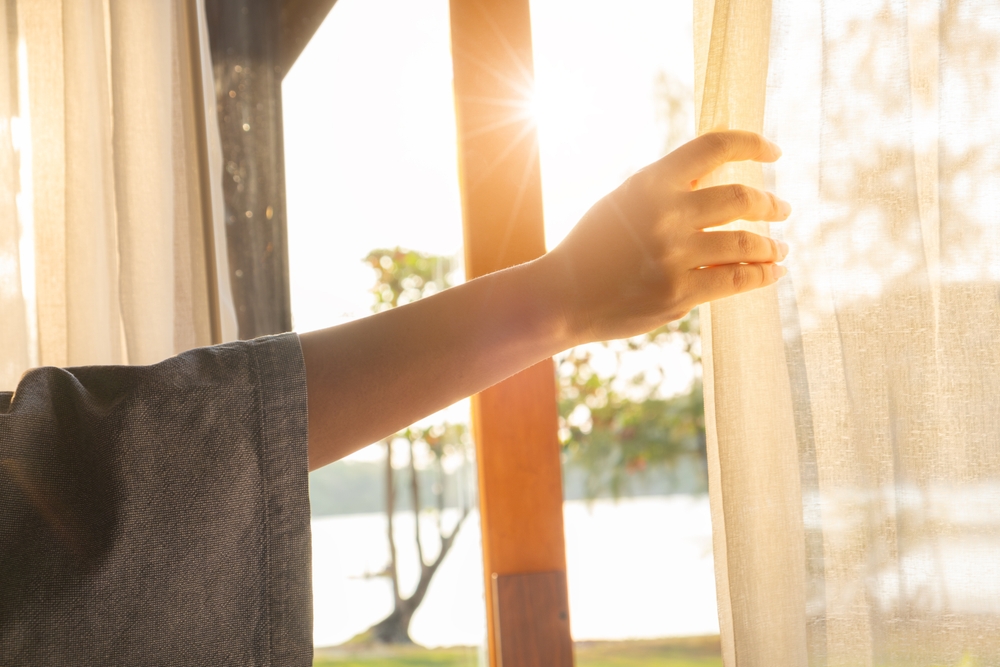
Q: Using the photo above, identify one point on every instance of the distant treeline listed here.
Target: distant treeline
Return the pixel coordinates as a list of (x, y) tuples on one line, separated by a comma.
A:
[(351, 487)]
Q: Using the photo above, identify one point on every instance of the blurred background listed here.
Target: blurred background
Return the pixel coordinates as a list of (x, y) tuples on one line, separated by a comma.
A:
[(374, 221)]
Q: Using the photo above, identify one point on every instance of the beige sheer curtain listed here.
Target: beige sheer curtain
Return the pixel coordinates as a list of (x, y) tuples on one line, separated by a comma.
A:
[(112, 240), (854, 409)]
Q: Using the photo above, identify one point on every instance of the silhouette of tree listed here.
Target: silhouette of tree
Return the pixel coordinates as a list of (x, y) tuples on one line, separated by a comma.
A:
[(401, 277)]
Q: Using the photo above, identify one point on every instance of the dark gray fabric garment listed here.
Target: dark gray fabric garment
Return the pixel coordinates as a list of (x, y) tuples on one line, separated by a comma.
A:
[(158, 515)]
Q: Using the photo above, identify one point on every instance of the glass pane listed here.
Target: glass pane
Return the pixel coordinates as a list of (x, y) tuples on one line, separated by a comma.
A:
[(375, 221), (614, 93)]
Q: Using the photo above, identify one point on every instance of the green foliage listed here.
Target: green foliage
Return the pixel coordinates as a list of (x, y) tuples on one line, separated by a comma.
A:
[(403, 276), (442, 439), (436, 487), (615, 425), (619, 428)]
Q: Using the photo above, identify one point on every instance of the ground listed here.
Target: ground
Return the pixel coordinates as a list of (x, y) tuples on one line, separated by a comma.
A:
[(682, 652)]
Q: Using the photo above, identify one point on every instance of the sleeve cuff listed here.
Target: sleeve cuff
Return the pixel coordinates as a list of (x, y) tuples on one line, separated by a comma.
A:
[(281, 378)]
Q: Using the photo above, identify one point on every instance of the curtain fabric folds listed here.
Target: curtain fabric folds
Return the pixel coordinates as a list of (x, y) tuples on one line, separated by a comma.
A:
[(853, 410), (112, 246)]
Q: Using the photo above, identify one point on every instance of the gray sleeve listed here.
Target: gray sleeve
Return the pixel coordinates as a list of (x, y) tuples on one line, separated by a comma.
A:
[(159, 514)]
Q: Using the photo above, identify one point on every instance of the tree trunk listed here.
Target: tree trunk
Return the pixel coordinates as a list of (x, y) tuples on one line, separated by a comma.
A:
[(390, 503), (394, 628)]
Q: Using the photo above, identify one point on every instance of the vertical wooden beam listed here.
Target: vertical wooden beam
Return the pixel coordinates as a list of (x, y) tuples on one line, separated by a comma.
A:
[(531, 620), (515, 422)]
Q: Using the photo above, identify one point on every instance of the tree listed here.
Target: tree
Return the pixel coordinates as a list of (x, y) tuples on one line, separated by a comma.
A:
[(403, 276), (615, 424)]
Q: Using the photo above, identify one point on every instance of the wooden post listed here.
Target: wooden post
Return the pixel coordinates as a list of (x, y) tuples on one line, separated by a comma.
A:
[(514, 422)]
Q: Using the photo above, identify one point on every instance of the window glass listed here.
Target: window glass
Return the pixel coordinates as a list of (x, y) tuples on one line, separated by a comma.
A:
[(370, 161), (375, 221), (614, 92)]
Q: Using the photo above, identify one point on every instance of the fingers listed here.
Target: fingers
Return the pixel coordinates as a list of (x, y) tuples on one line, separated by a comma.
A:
[(725, 203), (718, 282), (720, 248), (703, 155)]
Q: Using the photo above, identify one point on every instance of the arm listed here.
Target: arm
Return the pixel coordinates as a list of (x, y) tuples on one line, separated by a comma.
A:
[(640, 257)]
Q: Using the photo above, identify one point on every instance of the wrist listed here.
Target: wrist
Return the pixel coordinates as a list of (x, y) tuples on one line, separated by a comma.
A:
[(551, 292)]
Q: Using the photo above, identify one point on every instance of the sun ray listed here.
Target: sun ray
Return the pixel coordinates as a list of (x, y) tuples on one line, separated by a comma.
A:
[(523, 88), (521, 189), (525, 131), (514, 56), (496, 125), (496, 101)]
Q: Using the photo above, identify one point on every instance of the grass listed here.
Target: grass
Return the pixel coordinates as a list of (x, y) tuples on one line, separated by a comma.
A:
[(413, 656), (683, 652), (678, 652)]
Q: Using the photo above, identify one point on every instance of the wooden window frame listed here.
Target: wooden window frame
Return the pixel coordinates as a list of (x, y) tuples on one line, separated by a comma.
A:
[(515, 423)]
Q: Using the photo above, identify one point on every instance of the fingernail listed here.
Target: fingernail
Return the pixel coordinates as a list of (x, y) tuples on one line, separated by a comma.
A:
[(784, 208), (775, 147), (778, 270), (782, 250)]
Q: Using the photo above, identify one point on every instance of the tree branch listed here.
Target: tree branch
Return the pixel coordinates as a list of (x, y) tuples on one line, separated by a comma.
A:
[(390, 492), (415, 490), (447, 540), (427, 571), (439, 496)]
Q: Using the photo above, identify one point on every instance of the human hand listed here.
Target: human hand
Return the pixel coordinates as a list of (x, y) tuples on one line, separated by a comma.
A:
[(640, 257)]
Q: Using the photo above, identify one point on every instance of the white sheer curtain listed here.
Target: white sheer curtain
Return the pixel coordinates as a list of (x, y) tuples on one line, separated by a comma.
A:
[(112, 246), (854, 409)]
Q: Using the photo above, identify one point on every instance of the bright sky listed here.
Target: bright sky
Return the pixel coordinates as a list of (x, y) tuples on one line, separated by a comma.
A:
[(370, 130), (370, 153)]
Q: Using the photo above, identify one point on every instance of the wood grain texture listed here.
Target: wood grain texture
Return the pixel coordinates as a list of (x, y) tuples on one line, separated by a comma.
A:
[(515, 422), (531, 620)]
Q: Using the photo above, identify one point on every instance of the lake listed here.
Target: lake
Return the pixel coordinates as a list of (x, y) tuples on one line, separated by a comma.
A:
[(638, 568)]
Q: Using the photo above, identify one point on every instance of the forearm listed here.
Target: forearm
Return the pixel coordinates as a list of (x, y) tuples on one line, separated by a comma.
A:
[(640, 257), (371, 377)]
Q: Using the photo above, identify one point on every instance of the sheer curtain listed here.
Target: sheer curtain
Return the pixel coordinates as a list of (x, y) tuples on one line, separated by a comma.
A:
[(854, 409), (112, 246)]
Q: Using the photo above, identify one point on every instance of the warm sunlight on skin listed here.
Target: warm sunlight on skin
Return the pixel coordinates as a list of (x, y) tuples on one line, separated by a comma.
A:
[(371, 163), (630, 265), (372, 95)]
